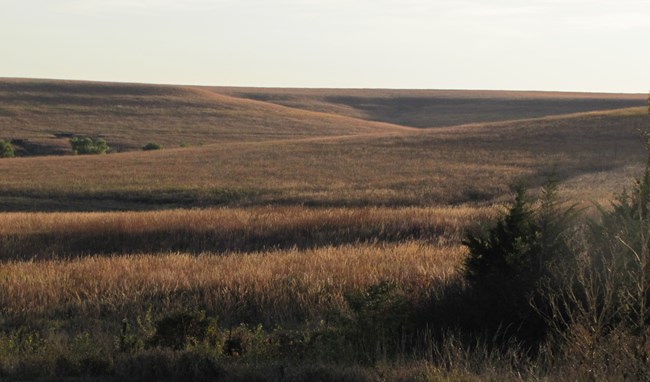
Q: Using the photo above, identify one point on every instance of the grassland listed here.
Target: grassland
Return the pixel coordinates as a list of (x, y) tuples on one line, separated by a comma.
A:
[(436, 108), (321, 215), (469, 163), (46, 113)]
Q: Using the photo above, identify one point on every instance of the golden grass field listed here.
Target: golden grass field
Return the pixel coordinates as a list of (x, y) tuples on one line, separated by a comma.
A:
[(285, 201), (277, 287), (366, 163), (297, 174)]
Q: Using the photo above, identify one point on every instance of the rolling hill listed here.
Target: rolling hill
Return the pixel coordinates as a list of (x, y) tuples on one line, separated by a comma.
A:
[(301, 146), (466, 164), (42, 115), (436, 108), (326, 207)]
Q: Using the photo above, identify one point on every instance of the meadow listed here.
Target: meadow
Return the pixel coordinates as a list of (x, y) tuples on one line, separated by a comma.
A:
[(298, 234)]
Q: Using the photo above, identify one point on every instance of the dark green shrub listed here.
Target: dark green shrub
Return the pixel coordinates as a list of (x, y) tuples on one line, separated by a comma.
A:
[(128, 341), (252, 342), (6, 149), (87, 145), (83, 357), (380, 317), (151, 146), (506, 264), (184, 329)]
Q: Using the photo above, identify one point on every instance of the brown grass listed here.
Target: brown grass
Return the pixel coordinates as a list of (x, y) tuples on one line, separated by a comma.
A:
[(130, 115), (41, 236), (473, 163), (320, 202), (285, 286), (436, 108)]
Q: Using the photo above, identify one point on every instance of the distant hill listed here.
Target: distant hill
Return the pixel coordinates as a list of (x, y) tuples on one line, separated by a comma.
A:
[(42, 115), (436, 108), (322, 147), (594, 154)]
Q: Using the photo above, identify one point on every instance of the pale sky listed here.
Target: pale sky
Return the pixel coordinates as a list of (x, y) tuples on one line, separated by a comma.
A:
[(570, 45)]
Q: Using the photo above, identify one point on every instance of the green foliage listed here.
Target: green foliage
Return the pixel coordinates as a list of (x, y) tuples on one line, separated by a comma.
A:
[(380, 316), (83, 358), (505, 255), (6, 149), (152, 146), (182, 330), (506, 264), (87, 145), (250, 341)]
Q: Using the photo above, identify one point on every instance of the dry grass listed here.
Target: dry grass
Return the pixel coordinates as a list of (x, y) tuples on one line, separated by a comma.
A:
[(321, 202), (285, 286), (272, 154), (42, 236), (130, 115), (473, 163), (436, 108)]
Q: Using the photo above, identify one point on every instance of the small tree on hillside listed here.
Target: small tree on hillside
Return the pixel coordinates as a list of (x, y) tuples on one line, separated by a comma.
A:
[(88, 145), (152, 146), (6, 149)]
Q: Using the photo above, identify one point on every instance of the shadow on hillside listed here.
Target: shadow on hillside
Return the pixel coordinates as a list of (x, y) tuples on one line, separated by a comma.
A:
[(31, 200), (67, 245)]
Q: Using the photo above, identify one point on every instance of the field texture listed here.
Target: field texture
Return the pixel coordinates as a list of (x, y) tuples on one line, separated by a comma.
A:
[(296, 233)]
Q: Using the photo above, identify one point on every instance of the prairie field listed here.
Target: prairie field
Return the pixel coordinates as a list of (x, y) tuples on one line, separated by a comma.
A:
[(279, 233)]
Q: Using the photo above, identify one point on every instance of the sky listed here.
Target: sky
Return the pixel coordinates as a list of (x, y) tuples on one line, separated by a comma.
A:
[(566, 45)]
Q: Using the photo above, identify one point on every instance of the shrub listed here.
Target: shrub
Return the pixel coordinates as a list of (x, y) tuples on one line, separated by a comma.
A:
[(506, 264), (380, 317), (152, 146), (88, 145), (6, 149), (602, 309), (181, 330)]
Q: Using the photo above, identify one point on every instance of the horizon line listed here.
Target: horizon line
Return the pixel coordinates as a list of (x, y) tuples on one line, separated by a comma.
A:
[(127, 82)]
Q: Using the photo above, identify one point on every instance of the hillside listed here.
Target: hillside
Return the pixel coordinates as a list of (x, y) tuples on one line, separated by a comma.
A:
[(41, 115), (436, 108), (314, 150), (335, 240), (474, 163)]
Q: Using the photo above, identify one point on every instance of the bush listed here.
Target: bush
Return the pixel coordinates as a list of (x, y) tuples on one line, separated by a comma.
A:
[(182, 330), (380, 318), (601, 311), (152, 146), (88, 145), (506, 264), (6, 149)]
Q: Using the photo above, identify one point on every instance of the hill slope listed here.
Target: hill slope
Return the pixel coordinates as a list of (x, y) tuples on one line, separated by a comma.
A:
[(436, 108), (473, 163), (43, 114)]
